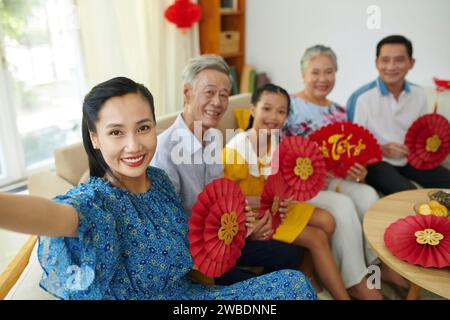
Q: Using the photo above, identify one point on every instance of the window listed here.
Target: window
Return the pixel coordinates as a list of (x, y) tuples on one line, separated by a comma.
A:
[(43, 83)]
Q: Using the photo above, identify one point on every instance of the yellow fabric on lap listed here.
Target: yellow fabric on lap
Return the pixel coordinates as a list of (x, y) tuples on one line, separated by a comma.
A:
[(297, 218)]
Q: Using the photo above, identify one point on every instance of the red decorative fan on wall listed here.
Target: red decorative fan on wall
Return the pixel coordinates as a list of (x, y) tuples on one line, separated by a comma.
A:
[(217, 227), (344, 144), (421, 239), (428, 140)]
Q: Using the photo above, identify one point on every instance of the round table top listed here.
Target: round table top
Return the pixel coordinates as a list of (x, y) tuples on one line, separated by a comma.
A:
[(388, 210)]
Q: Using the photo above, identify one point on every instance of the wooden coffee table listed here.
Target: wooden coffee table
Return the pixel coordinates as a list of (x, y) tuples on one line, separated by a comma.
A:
[(388, 210)]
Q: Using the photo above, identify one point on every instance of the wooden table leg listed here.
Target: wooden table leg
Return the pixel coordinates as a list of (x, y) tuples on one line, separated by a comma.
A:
[(413, 293)]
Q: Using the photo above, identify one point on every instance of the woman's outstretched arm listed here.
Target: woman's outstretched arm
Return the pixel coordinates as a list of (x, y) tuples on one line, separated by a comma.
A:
[(36, 215)]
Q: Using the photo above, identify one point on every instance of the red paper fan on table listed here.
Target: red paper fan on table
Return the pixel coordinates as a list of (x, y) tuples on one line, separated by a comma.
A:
[(217, 227), (428, 140), (344, 144), (421, 239), (301, 165), (275, 190)]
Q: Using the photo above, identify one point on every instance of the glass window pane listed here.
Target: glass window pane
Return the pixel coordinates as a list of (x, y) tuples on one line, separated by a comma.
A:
[(44, 62)]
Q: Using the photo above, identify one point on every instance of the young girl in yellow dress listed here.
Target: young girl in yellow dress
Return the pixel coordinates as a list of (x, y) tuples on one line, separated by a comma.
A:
[(247, 161)]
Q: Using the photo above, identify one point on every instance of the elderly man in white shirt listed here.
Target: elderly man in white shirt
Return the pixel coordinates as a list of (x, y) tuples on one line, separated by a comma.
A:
[(184, 153), (387, 107)]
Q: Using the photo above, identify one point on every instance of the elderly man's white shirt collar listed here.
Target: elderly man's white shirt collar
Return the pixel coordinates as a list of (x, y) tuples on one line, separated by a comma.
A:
[(186, 133)]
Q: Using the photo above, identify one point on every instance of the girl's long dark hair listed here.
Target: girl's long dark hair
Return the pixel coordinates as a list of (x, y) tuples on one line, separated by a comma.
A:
[(269, 87), (92, 105)]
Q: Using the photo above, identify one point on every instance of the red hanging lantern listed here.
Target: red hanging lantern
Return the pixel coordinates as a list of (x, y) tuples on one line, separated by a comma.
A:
[(183, 13), (441, 85)]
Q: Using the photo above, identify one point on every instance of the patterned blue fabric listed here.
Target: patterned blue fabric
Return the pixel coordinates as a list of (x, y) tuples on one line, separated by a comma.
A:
[(135, 246)]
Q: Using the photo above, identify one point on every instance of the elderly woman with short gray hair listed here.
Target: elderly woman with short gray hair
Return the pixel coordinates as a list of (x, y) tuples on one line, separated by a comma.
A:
[(347, 199)]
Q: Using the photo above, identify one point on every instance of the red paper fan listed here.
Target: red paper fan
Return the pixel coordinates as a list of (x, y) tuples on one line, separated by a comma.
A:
[(301, 165), (217, 227), (346, 143), (400, 238), (275, 190), (428, 140)]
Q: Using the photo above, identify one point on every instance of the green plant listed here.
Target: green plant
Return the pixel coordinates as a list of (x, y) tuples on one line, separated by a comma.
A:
[(13, 16)]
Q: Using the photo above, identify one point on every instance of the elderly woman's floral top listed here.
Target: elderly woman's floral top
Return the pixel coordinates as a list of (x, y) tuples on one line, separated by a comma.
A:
[(305, 117), (135, 246)]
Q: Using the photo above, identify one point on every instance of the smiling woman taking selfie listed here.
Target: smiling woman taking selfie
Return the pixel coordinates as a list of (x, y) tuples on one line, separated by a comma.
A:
[(123, 234)]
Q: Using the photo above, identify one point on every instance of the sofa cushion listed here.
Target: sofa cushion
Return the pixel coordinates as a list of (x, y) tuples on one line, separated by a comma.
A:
[(71, 162), (228, 120)]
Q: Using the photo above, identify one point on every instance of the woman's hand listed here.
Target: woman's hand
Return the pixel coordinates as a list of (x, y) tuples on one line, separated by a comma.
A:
[(357, 172), (250, 217), (263, 228), (328, 179), (394, 150)]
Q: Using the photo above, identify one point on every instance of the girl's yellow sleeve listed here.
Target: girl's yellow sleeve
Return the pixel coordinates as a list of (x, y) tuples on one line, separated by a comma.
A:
[(234, 166)]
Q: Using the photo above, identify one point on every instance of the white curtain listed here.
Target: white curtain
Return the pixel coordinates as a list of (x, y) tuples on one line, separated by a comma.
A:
[(133, 39)]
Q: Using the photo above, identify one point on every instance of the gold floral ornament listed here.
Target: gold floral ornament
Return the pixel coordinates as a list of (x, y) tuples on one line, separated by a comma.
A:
[(303, 168), (229, 227), (275, 204), (433, 143), (428, 236)]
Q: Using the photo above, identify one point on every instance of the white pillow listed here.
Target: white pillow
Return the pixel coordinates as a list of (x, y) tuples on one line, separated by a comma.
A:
[(27, 286)]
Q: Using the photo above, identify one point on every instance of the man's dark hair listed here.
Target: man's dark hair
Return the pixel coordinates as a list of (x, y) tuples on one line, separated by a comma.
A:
[(396, 39)]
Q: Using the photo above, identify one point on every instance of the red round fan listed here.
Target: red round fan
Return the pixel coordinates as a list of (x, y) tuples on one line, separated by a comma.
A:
[(275, 191), (217, 227), (344, 144), (428, 140), (301, 165), (421, 240)]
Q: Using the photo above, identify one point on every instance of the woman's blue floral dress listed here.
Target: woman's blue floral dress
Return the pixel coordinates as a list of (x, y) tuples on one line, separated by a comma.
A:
[(134, 246)]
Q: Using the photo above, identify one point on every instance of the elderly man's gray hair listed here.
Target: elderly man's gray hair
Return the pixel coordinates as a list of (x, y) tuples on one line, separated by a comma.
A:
[(204, 62)]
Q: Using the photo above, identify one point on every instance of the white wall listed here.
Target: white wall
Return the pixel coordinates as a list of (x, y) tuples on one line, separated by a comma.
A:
[(279, 31)]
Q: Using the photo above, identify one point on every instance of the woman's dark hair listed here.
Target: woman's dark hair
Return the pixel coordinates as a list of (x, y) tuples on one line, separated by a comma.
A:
[(93, 102), (269, 87), (396, 39)]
